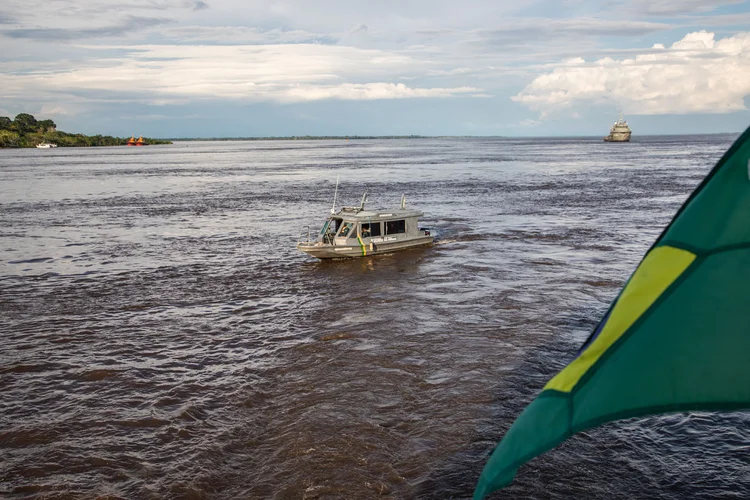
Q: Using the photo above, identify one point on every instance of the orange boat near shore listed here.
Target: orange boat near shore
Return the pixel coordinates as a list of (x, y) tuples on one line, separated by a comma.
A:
[(133, 142)]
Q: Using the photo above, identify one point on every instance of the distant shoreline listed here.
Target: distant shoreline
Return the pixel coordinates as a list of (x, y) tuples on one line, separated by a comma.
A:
[(380, 137), (25, 131), (306, 138)]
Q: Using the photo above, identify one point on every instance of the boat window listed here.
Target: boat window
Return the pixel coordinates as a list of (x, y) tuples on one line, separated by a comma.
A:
[(346, 227), (326, 227), (370, 229), (395, 226), (329, 229), (332, 226)]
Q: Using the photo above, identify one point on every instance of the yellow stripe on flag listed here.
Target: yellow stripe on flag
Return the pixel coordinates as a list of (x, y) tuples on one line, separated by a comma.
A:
[(661, 267)]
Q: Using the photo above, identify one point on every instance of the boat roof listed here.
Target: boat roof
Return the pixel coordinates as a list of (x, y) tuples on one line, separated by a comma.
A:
[(356, 213)]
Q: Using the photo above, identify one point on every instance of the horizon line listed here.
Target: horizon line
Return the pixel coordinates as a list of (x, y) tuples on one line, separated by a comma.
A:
[(416, 136)]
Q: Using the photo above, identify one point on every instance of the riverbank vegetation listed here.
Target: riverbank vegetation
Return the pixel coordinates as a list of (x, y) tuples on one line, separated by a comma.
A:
[(25, 131)]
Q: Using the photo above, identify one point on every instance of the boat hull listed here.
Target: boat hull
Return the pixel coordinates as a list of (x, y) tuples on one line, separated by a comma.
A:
[(618, 137), (620, 132), (326, 251)]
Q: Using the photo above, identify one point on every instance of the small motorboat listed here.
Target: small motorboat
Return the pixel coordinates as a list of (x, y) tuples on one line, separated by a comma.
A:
[(356, 232), (46, 145)]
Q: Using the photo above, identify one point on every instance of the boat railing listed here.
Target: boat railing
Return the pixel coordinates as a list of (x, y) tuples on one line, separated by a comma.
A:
[(302, 232)]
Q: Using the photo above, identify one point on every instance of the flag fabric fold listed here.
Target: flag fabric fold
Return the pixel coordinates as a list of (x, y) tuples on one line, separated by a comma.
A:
[(677, 338)]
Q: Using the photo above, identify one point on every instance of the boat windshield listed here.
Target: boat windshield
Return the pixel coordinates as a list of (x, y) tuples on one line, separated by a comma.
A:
[(345, 229), (329, 229)]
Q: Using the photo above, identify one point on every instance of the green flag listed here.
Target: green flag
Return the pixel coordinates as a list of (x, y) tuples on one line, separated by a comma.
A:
[(677, 338)]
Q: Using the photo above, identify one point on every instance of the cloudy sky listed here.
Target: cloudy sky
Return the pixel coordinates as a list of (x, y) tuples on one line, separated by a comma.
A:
[(228, 68)]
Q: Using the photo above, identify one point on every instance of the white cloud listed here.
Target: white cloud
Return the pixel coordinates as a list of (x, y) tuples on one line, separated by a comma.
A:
[(166, 74), (94, 56), (149, 117), (322, 16), (54, 110), (241, 35), (697, 74), (579, 26), (358, 28), (41, 15), (368, 91), (529, 123), (671, 7)]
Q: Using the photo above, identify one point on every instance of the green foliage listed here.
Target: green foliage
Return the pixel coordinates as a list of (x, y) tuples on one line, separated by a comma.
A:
[(24, 123), (26, 132), (9, 139), (46, 126)]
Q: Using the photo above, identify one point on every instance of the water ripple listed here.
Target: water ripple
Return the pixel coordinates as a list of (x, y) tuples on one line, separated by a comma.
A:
[(163, 339)]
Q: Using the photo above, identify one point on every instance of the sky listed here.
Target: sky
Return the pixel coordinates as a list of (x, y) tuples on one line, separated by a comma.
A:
[(211, 68)]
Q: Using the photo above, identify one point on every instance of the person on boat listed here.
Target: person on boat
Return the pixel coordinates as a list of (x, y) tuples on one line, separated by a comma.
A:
[(365, 232)]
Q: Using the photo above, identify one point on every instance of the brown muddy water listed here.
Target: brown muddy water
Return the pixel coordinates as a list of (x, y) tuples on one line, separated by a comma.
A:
[(162, 338)]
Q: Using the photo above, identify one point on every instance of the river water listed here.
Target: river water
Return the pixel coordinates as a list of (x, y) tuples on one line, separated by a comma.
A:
[(162, 337)]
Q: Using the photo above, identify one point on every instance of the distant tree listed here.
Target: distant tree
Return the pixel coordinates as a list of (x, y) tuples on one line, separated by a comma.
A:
[(47, 125), (9, 139), (26, 132), (24, 123)]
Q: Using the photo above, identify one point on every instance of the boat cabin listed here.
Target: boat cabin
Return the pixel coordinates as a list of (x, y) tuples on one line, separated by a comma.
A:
[(354, 232), (344, 227)]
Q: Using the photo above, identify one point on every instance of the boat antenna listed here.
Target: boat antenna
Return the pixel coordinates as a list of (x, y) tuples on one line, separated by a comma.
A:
[(362, 204), (335, 192), (403, 201)]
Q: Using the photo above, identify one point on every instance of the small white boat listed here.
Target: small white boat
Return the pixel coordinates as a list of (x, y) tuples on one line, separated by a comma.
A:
[(356, 232), (46, 145)]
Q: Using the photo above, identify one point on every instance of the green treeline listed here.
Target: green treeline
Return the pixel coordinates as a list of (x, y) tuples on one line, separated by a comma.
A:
[(25, 131)]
